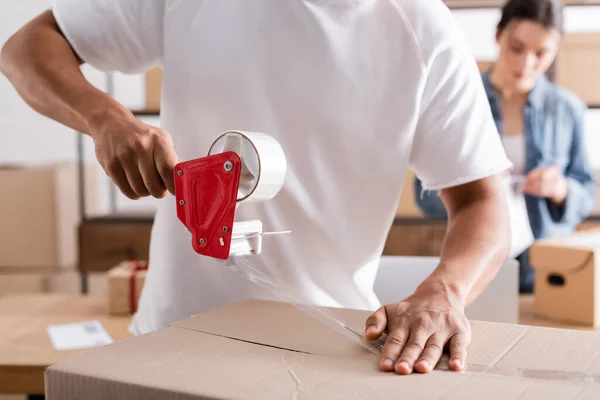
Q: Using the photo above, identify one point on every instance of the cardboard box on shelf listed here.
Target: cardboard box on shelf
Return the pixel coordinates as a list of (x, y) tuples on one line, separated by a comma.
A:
[(69, 282), (39, 210), (484, 65), (125, 284), (153, 89), (407, 206), (21, 283), (578, 65), (271, 350), (566, 284)]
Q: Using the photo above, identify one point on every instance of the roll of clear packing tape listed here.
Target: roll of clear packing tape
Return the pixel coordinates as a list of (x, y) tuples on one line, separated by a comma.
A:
[(263, 163)]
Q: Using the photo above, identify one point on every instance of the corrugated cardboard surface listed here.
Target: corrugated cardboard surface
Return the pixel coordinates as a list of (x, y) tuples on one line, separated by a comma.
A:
[(40, 214), (270, 350)]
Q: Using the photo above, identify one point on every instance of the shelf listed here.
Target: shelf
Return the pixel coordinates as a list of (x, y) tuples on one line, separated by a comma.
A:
[(122, 217), (474, 4)]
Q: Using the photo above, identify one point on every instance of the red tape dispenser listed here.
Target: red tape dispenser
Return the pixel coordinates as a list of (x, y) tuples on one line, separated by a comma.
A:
[(240, 166)]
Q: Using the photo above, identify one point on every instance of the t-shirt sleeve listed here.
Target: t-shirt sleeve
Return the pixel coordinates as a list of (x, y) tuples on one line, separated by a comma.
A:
[(456, 140), (113, 35)]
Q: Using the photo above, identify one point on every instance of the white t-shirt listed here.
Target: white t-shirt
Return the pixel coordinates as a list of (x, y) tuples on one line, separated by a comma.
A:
[(356, 92)]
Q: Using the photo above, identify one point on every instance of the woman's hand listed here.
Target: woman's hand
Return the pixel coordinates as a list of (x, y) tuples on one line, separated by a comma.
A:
[(419, 328), (547, 182)]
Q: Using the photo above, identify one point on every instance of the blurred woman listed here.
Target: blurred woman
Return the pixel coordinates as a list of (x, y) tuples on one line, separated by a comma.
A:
[(540, 123)]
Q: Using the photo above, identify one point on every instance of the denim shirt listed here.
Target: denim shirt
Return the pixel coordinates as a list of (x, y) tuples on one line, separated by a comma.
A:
[(554, 135)]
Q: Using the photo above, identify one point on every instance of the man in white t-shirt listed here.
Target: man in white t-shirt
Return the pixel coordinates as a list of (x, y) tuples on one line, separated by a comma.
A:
[(355, 91)]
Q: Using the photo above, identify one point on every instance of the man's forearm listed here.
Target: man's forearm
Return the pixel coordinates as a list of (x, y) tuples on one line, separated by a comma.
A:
[(46, 73), (475, 245)]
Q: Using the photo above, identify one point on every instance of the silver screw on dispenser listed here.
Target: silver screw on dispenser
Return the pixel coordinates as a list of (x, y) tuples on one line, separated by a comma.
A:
[(202, 241), (180, 172), (228, 166), (181, 202), (225, 229)]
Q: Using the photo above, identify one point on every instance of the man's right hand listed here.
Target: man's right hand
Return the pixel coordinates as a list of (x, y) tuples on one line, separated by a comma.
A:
[(139, 158), (40, 63)]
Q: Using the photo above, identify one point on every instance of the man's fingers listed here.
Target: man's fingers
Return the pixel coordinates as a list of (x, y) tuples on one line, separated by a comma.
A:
[(134, 177), (392, 348), (116, 173), (458, 351), (413, 349), (151, 177), (129, 162), (375, 324), (165, 160), (431, 354)]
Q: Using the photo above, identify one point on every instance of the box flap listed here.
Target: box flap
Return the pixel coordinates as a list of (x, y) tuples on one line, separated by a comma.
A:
[(505, 362), (584, 240), (564, 255), (281, 325)]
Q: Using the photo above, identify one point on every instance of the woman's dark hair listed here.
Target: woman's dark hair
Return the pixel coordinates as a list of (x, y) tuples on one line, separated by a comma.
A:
[(548, 13)]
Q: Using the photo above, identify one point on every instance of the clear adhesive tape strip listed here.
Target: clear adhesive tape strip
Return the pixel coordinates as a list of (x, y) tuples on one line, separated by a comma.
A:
[(263, 163), (285, 292), (527, 373)]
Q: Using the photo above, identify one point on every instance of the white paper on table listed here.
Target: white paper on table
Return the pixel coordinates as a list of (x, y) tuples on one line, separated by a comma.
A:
[(520, 229), (79, 335)]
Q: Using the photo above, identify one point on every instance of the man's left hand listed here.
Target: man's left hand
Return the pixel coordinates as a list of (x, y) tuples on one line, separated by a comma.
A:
[(419, 328)]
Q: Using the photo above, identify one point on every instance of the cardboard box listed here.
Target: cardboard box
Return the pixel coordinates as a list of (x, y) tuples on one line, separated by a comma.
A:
[(578, 65), (21, 283), (125, 284), (69, 282), (485, 65), (407, 206), (39, 210), (567, 285), (270, 350), (153, 89)]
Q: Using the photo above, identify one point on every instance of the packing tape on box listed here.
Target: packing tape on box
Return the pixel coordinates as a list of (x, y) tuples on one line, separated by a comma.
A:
[(262, 177), (244, 267), (528, 373)]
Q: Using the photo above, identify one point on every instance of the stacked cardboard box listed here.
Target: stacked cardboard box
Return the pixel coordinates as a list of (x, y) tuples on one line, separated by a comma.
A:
[(39, 213)]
